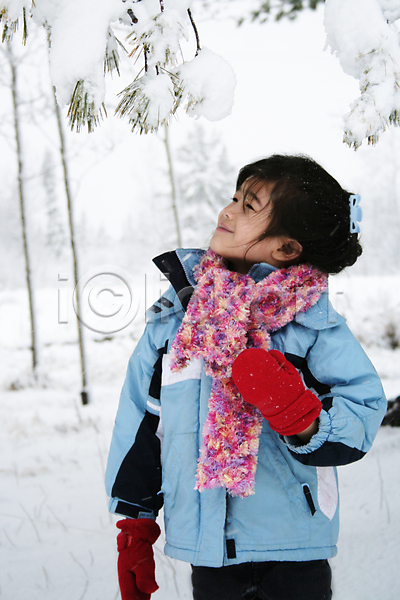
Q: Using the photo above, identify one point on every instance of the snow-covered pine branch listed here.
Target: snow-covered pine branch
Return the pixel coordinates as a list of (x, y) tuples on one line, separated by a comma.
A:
[(84, 47), (364, 36)]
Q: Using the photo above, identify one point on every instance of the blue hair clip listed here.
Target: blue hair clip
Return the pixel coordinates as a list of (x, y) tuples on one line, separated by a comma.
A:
[(355, 213)]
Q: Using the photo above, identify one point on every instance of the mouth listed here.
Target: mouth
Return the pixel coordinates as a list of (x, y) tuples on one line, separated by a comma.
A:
[(222, 227)]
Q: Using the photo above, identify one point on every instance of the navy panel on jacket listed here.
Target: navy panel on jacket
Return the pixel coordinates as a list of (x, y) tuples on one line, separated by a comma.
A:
[(139, 478)]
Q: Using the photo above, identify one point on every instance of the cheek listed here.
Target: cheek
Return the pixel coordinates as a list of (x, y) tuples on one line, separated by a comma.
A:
[(250, 230)]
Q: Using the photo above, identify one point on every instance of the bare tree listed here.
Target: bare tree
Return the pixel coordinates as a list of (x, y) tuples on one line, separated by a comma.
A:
[(13, 63), (174, 187), (68, 194)]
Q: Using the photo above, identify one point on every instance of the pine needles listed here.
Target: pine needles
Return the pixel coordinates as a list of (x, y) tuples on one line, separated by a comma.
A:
[(11, 27), (150, 101), (82, 109)]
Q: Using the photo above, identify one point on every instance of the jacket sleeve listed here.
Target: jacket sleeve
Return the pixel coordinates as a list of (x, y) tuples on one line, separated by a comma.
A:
[(338, 370), (133, 474)]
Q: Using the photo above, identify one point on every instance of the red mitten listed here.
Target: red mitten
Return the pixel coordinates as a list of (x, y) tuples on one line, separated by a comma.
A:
[(136, 567), (270, 382)]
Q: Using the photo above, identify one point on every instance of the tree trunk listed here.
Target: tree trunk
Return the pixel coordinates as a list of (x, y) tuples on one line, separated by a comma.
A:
[(22, 203), (67, 187), (174, 193)]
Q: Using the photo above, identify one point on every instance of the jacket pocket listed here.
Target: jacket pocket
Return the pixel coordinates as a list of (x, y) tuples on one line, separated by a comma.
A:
[(181, 500), (296, 487)]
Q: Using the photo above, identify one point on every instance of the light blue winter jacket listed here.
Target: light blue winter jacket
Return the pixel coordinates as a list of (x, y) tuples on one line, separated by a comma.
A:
[(293, 514)]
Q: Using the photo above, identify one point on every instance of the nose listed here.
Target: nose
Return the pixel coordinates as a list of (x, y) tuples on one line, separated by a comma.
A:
[(224, 214), (229, 210)]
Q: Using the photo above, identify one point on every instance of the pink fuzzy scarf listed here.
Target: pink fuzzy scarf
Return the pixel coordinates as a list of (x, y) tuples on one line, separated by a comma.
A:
[(227, 313)]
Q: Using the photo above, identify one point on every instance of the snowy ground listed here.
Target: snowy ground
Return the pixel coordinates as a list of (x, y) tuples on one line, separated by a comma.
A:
[(57, 539)]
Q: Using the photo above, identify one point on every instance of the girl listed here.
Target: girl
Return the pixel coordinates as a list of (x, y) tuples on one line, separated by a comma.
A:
[(262, 389)]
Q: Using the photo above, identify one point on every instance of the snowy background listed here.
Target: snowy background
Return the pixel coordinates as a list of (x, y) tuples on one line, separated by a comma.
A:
[(57, 539)]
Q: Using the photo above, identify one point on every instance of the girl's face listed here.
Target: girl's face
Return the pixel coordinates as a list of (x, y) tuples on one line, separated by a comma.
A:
[(242, 222)]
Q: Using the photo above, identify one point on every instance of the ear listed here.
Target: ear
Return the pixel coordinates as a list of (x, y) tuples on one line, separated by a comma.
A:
[(287, 250)]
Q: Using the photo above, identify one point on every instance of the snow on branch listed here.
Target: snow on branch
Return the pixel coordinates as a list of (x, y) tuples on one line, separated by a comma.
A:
[(84, 48), (364, 36)]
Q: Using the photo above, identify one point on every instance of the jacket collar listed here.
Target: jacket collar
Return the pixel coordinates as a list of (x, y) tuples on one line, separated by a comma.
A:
[(189, 258), (178, 265)]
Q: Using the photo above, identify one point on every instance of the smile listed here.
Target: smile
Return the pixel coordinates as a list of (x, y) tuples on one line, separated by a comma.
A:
[(222, 227)]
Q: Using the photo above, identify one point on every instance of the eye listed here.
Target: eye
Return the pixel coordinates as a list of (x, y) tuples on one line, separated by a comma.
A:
[(248, 205), (234, 199)]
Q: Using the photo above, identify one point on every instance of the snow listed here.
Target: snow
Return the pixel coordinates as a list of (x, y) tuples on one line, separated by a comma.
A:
[(354, 28), (162, 34), (154, 102), (391, 9), (75, 55), (362, 33), (209, 82), (367, 45), (375, 322), (78, 47), (57, 537), (15, 7)]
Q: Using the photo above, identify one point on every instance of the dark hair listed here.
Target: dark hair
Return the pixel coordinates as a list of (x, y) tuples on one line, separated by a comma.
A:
[(310, 206)]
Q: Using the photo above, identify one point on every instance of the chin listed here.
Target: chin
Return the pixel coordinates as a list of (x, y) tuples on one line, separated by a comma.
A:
[(214, 246), (217, 249)]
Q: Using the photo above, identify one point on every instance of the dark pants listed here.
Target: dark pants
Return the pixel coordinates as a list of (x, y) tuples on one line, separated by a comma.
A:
[(308, 580)]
